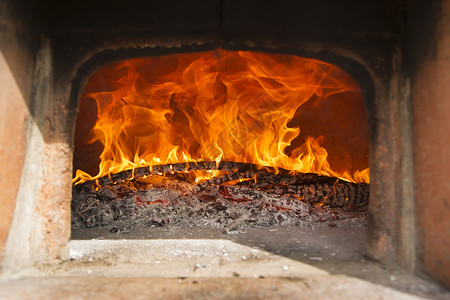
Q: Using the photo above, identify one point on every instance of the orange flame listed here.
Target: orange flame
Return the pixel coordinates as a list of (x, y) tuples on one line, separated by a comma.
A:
[(216, 105)]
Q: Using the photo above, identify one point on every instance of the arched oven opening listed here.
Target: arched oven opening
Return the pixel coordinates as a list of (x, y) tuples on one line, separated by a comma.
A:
[(224, 139)]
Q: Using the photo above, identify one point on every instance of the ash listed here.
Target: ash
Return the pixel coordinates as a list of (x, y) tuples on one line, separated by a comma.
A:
[(231, 208)]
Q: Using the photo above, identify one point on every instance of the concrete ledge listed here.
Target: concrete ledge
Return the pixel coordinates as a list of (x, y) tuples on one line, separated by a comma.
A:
[(315, 287)]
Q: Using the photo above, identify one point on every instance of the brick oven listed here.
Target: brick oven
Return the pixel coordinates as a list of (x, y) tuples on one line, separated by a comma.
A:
[(395, 50)]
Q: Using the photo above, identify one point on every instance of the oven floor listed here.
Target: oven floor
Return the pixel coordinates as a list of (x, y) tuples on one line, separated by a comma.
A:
[(204, 263)]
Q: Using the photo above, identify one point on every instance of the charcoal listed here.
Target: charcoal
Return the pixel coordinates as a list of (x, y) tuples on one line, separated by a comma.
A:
[(106, 215), (162, 195), (230, 201), (107, 194), (158, 222)]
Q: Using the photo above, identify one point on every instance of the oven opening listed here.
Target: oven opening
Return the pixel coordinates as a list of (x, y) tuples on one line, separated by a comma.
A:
[(221, 144)]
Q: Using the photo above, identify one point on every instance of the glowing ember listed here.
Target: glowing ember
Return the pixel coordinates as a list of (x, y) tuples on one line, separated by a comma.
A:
[(216, 105)]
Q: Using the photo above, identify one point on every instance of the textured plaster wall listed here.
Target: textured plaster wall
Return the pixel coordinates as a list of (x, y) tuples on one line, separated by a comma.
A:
[(35, 155), (16, 79), (430, 66)]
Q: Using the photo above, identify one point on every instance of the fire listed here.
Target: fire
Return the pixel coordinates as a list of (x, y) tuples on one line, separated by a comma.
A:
[(216, 105)]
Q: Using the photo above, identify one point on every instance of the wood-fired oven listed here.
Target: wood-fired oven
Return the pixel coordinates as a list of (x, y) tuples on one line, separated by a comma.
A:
[(396, 51)]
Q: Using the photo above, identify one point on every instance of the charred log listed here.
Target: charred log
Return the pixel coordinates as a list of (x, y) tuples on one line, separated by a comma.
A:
[(227, 166)]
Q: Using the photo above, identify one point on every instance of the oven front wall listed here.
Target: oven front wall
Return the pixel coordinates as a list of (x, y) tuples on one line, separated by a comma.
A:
[(429, 44), (18, 48), (76, 38)]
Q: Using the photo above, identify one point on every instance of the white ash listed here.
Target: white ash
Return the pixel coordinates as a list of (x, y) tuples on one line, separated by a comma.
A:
[(230, 208)]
